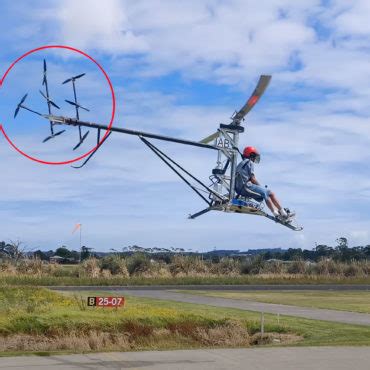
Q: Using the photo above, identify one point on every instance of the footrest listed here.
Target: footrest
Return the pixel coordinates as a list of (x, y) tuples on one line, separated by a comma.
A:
[(239, 202)]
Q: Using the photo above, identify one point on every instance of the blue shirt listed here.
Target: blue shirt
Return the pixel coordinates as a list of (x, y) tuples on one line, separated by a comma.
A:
[(244, 172)]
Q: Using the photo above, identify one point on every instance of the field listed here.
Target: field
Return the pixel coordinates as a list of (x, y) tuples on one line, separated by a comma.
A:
[(356, 301), (38, 320), (44, 280)]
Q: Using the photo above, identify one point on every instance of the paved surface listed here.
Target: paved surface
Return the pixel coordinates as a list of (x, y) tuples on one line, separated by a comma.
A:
[(309, 313), (252, 287), (299, 358)]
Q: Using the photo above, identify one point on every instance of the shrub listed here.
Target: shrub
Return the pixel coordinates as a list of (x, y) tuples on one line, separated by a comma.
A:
[(188, 265), (115, 264), (297, 267), (30, 266), (8, 268), (138, 263), (273, 267), (225, 266), (328, 267), (353, 269), (90, 268), (252, 266)]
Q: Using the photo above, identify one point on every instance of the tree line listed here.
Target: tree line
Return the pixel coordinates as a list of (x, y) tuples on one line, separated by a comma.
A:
[(341, 251)]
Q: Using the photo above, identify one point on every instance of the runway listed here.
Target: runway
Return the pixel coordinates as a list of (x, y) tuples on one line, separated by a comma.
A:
[(293, 358)]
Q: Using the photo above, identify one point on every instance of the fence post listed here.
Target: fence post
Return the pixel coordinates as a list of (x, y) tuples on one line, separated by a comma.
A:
[(262, 323)]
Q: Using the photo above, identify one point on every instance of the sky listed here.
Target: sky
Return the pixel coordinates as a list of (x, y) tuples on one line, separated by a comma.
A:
[(180, 68)]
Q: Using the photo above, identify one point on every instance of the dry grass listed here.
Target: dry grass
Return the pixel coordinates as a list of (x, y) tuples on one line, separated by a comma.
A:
[(73, 341), (274, 338), (232, 334), (138, 269)]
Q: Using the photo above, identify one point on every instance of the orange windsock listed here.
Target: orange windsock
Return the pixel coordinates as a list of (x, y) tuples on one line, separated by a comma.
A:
[(76, 228)]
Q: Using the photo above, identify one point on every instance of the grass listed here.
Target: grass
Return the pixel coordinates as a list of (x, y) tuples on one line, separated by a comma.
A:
[(36, 320), (35, 280), (314, 332), (345, 301)]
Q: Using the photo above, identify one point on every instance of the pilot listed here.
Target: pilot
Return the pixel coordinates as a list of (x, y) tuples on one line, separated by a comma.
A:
[(246, 185)]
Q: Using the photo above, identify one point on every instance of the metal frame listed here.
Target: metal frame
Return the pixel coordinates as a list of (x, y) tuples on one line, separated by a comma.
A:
[(221, 192)]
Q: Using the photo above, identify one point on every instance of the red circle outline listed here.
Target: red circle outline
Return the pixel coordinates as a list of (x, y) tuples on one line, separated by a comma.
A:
[(110, 86)]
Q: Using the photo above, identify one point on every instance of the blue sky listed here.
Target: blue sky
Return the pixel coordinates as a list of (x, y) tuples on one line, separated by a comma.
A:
[(181, 68)]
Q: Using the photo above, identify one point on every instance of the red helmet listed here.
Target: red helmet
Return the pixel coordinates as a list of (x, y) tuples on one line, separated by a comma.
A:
[(252, 153)]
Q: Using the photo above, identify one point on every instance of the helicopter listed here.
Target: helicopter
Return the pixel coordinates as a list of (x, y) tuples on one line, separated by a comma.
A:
[(219, 194)]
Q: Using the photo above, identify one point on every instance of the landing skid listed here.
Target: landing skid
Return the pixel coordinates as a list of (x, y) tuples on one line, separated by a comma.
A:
[(286, 224), (240, 206)]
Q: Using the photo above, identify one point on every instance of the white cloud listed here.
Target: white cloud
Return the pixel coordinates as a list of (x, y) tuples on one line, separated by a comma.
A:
[(312, 125)]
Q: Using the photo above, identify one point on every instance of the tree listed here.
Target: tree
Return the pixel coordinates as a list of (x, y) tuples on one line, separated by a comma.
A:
[(342, 251), (63, 252), (40, 255), (13, 250), (85, 253)]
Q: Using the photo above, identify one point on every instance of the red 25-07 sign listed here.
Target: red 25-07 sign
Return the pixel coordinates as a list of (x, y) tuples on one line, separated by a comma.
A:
[(106, 301)]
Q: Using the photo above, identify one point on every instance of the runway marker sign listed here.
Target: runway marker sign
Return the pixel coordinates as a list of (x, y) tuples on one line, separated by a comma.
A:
[(106, 301)]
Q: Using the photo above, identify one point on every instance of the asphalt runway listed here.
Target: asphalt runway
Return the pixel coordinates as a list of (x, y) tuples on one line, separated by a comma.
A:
[(293, 358), (249, 287)]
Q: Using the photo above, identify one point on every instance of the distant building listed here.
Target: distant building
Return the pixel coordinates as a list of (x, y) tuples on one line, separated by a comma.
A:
[(56, 259), (59, 259)]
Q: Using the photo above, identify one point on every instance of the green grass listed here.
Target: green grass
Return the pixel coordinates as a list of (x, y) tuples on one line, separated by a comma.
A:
[(356, 301), (33, 280), (315, 332), (35, 312)]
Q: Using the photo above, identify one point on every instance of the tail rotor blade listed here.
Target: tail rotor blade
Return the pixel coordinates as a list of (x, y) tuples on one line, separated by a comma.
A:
[(87, 110), (16, 111), (59, 133), (19, 106), (77, 105), (79, 76), (45, 69), (97, 148), (82, 140), (43, 95), (23, 99), (53, 104), (52, 136), (71, 102), (73, 78), (68, 80), (49, 100)]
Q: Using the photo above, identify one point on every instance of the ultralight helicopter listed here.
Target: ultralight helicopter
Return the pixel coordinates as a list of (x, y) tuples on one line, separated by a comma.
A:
[(220, 195)]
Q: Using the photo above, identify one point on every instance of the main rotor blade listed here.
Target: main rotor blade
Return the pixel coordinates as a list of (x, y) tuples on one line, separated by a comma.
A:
[(77, 105), (257, 93), (209, 138)]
